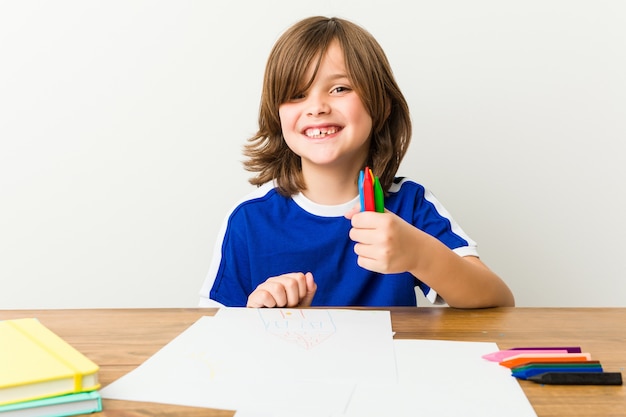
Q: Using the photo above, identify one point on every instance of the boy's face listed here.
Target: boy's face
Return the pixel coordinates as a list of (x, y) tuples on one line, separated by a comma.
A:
[(327, 125)]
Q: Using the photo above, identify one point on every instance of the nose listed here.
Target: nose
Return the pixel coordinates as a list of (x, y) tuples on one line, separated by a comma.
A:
[(317, 105)]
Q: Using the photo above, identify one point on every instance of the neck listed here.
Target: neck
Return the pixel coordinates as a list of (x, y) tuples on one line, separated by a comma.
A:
[(330, 186)]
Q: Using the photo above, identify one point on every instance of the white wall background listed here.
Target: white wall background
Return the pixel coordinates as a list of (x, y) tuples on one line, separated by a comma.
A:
[(121, 126)]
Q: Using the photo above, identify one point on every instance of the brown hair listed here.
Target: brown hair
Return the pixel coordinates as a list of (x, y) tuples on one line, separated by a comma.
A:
[(370, 73)]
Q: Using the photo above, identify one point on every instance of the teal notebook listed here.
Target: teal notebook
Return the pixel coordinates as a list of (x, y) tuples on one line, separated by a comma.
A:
[(60, 406)]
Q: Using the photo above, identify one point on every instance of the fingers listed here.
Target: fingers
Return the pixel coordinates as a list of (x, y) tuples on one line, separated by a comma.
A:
[(370, 227), (381, 241), (311, 288), (283, 291), (261, 298)]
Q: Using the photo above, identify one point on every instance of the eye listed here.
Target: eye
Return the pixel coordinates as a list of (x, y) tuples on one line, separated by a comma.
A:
[(340, 89)]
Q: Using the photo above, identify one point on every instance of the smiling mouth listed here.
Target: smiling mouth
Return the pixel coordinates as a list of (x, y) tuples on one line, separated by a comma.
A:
[(318, 133)]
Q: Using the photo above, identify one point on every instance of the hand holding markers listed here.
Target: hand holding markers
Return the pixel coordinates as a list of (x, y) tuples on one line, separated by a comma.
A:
[(381, 238)]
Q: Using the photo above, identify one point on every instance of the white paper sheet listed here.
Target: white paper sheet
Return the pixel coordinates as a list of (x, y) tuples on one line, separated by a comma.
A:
[(443, 378), (267, 360), (321, 363), (305, 345)]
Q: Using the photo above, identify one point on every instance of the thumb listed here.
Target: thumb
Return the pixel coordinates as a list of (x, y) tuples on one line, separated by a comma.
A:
[(311, 287), (354, 210)]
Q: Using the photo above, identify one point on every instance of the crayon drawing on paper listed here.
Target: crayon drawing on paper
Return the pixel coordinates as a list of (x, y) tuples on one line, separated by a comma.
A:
[(307, 328)]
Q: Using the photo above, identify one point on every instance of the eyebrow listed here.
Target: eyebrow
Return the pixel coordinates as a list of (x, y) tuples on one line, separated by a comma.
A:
[(335, 77), (338, 76)]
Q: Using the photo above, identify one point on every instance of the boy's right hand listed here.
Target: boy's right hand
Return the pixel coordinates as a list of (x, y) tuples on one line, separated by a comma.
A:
[(289, 290)]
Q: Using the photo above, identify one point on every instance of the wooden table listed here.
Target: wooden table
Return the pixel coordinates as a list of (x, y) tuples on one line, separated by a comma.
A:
[(120, 339)]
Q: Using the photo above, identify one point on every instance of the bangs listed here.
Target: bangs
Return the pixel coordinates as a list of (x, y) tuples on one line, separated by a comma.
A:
[(289, 66)]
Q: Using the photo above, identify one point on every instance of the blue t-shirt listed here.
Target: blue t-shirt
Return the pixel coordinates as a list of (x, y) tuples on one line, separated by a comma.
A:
[(268, 234)]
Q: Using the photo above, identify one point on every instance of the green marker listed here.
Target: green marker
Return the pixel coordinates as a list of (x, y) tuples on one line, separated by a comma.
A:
[(379, 196)]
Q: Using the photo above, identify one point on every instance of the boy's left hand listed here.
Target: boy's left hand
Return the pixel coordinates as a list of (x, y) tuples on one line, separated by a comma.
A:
[(385, 243)]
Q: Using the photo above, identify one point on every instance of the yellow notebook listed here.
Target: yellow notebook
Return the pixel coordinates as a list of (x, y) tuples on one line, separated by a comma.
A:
[(36, 363)]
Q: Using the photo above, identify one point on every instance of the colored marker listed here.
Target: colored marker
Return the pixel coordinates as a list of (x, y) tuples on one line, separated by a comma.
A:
[(379, 197), (555, 364), (578, 378), (569, 349), (524, 372), (368, 190), (371, 194), (361, 196), (505, 354), (526, 358)]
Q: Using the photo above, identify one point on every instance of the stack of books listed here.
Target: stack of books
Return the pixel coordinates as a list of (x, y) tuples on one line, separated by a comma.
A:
[(42, 375)]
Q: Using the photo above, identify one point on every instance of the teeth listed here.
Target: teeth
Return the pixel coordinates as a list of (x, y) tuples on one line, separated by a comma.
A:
[(320, 133)]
